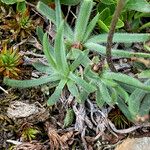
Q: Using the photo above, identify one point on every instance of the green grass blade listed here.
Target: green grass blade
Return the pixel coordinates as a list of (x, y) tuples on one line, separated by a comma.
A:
[(46, 11), (86, 86), (56, 95), (123, 107), (58, 13), (74, 90), (145, 106), (128, 88), (75, 53), (60, 53), (50, 14), (122, 93), (40, 33), (68, 32), (99, 100), (47, 51), (83, 19), (105, 93), (126, 79), (77, 62), (31, 83), (121, 38), (144, 74), (114, 95), (90, 27), (117, 53), (135, 100), (109, 83), (43, 68)]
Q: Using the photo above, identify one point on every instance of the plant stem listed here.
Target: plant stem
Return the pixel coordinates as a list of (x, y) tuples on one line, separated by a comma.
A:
[(114, 21)]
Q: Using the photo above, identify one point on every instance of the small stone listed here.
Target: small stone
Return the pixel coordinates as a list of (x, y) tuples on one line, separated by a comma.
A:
[(23, 112), (135, 144)]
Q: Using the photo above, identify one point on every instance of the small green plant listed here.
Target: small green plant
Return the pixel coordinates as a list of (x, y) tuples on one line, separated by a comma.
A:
[(71, 50), (29, 132), (81, 36), (9, 62), (106, 10), (69, 117), (131, 16), (61, 72), (21, 5), (20, 25)]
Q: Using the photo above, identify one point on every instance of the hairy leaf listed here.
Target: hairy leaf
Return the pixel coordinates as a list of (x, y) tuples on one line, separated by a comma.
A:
[(56, 95), (82, 20)]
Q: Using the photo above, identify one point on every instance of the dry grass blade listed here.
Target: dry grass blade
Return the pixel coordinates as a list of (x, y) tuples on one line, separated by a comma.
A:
[(55, 139), (29, 146)]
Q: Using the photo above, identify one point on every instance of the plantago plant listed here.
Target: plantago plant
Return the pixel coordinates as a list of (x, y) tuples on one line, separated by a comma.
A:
[(61, 71), (71, 49)]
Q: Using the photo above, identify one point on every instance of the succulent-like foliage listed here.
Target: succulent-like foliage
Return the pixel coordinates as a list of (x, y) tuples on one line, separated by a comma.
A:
[(9, 62)]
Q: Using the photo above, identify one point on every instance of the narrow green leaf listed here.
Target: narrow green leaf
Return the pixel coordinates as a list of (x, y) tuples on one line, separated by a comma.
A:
[(11, 1), (70, 2), (123, 107), (73, 90), (86, 86), (69, 117), (105, 93), (142, 5), (144, 74), (103, 26), (117, 53), (114, 95), (68, 32), (135, 100), (77, 62), (58, 13), (145, 106), (47, 51), (56, 95), (43, 68), (90, 27), (31, 83), (109, 83), (83, 96), (60, 53), (90, 74), (48, 12), (121, 38), (40, 33), (75, 53), (99, 100), (83, 19), (128, 88), (126, 79), (122, 93), (21, 7)]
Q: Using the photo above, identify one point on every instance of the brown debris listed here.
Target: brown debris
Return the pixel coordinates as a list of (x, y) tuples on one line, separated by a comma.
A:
[(30, 146)]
